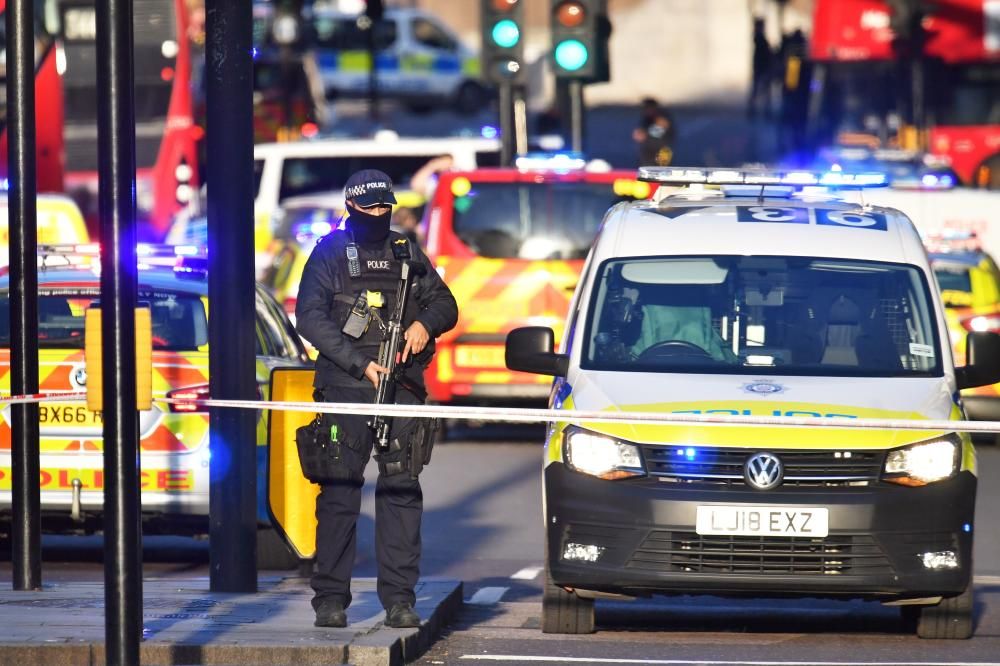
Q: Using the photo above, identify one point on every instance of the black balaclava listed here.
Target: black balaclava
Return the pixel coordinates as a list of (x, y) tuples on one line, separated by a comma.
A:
[(368, 228)]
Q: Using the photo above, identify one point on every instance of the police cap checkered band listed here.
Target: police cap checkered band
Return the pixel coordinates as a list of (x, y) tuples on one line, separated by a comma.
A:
[(369, 187)]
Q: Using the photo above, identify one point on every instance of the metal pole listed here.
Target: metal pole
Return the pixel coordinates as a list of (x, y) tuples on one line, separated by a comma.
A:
[(26, 554), (576, 111), (507, 129), (119, 293), (231, 356)]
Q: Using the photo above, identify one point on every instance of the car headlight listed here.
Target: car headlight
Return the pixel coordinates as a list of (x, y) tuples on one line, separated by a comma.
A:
[(924, 462), (601, 456)]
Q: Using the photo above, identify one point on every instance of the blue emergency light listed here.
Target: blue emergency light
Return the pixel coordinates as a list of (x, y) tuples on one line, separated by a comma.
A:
[(794, 178)]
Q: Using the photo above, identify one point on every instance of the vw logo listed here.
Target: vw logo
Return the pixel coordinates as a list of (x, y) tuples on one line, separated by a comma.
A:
[(763, 471), (80, 376)]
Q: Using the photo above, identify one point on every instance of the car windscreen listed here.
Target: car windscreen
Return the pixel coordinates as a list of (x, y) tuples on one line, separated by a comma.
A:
[(762, 315), (179, 320), (953, 277), (546, 220)]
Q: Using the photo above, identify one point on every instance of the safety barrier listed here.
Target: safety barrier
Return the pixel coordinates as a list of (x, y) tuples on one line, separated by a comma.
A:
[(530, 415)]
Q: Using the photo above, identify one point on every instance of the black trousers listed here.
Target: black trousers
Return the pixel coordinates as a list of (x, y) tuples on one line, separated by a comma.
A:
[(399, 505)]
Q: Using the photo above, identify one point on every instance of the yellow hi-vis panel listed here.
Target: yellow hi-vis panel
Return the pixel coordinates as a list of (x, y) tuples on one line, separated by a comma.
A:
[(93, 359), (291, 497)]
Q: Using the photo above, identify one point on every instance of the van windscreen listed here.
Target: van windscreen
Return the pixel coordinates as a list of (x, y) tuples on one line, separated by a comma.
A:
[(762, 315), (547, 220)]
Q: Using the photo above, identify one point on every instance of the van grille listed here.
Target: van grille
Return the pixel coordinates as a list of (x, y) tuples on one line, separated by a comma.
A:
[(693, 553), (722, 466)]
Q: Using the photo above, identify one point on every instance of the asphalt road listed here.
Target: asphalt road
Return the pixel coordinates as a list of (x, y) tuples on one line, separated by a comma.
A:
[(483, 526)]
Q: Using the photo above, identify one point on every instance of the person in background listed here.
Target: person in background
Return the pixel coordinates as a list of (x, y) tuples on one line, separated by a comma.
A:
[(655, 134)]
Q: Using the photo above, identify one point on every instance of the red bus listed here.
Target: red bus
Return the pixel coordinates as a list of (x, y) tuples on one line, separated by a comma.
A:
[(861, 80), (50, 155), (166, 135)]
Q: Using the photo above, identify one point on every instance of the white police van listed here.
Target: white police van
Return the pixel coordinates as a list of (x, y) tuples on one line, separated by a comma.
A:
[(758, 297), (418, 59)]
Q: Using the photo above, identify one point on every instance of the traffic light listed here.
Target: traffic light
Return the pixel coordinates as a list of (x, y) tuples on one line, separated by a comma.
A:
[(502, 56), (580, 32)]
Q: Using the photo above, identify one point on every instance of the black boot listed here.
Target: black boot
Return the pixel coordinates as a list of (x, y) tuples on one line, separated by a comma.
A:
[(331, 614), (401, 616)]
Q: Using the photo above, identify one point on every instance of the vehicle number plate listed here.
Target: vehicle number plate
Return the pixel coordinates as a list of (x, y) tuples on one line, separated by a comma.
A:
[(67, 415), (743, 520)]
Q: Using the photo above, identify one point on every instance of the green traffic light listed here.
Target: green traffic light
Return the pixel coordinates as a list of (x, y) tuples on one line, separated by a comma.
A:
[(571, 55), (506, 33)]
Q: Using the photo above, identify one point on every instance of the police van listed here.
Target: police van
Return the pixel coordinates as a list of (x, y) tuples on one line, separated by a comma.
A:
[(419, 59), (752, 293)]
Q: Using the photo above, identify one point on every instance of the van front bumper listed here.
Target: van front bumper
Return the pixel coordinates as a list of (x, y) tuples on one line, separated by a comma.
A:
[(644, 530)]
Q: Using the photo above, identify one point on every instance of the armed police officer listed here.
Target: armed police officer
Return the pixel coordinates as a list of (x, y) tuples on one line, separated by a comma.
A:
[(348, 293)]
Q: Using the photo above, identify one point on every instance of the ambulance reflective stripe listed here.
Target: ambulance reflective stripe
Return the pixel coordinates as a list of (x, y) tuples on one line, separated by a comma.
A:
[(497, 295)]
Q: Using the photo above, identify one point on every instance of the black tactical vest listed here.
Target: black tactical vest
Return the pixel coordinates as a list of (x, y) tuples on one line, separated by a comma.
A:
[(380, 268)]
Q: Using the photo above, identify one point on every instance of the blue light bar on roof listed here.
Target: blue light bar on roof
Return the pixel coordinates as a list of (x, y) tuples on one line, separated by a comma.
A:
[(795, 178)]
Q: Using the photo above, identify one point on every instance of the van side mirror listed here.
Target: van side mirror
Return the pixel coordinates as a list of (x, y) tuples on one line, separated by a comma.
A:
[(982, 366), (529, 349)]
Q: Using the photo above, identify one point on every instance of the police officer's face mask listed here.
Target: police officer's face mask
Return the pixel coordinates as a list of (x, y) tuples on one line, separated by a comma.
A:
[(368, 228)]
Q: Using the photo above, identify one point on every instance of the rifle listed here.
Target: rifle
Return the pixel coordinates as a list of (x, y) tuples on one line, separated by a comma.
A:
[(388, 351)]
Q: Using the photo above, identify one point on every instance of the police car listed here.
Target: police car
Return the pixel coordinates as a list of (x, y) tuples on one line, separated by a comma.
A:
[(758, 298), (174, 444)]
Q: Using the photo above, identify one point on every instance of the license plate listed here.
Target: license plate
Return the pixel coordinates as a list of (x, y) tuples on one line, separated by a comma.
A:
[(779, 521), (54, 414), (480, 356)]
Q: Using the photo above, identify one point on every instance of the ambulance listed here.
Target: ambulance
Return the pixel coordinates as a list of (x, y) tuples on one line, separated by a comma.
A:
[(510, 244), (753, 293)]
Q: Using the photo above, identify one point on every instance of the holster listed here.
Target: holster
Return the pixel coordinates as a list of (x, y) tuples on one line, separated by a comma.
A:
[(410, 451)]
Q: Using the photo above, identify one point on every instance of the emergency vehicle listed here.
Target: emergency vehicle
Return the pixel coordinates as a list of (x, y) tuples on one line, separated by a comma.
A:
[(173, 439), (970, 288), (758, 298), (296, 168), (419, 59), (510, 244), (58, 218)]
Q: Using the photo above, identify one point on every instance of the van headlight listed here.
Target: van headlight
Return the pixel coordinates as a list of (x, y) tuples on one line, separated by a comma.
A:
[(924, 462), (601, 456)]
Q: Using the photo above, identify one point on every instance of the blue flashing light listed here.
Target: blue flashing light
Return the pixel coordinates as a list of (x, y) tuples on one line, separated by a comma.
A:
[(254, 52), (571, 55), (320, 228), (187, 250), (506, 34), (559, 162), (4, 185), (489, 132), (690, 453), (967, 527)]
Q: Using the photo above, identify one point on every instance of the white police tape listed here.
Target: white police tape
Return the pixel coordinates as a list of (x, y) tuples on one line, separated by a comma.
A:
[(529, 415)]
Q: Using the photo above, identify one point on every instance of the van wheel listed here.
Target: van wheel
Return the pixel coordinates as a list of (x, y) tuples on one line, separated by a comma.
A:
[(565, 612), (952, 618), (273, 553)]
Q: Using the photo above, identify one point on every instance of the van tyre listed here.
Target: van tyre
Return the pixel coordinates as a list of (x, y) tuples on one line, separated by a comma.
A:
[(273, 553), (952, 618), (565, 612)]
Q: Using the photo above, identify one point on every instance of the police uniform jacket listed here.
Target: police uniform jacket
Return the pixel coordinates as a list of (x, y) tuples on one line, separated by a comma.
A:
[(328, 290)]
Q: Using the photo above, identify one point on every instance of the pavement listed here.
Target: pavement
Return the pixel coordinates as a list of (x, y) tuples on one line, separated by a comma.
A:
[(185, 623)]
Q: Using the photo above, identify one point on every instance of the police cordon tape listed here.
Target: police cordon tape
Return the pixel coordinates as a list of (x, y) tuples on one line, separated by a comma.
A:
[(530, 415)]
